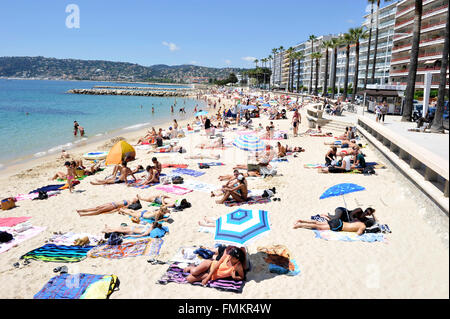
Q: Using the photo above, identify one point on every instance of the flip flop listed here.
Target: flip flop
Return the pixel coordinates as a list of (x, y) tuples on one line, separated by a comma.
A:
[(64, 270)]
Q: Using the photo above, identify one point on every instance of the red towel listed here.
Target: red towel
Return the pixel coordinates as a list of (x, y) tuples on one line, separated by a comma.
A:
[(12, 221)]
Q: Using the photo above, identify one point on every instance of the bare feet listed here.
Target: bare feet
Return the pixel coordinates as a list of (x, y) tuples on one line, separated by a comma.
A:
[(212, 194)]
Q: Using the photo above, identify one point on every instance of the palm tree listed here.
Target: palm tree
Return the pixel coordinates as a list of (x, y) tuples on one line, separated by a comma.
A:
[(357, 34), (270, 58), (412, 73), (316, 56), (289, 55), (438, 123), (280, 50), (347, 40), (326, 45), (256, 62), (312, 38), (274, 52), (298, 57), (264, 61), (376, 40), (372, 2), (336, 43)]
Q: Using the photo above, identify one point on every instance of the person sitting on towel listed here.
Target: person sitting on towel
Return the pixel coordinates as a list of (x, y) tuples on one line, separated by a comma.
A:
[(239, 193), (124, 173), (229, 265)]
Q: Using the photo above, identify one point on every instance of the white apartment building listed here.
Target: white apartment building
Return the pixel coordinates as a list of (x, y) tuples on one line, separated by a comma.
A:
[(431, 41)]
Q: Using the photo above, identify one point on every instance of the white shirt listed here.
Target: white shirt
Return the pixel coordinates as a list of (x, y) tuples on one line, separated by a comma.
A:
[(347, 164)]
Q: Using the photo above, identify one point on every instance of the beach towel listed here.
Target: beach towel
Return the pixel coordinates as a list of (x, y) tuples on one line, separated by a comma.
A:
[(66, 186), (349, 237), (20, 237), (58, 253), (174, 189), (20, 197), (47, 188), (199, 186), (138, 182), (174, 165), (69, 238), (376, 165), (12, 221), (175, 274), (187, 171), (78, 286), (251, 201), (208, 230), (273, 268), (314, 165), (128, 249), (211, 164)]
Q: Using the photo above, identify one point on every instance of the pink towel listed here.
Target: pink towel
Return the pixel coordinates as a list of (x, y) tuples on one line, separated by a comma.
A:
[(12, 221), (26, 196), (174, 189)]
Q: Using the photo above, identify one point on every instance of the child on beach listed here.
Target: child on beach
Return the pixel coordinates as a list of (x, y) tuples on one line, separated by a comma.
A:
[(71, 173)]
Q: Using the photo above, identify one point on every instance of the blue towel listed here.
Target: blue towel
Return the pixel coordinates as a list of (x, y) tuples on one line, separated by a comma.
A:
[(48, 188), (187, 171), (66, 286)]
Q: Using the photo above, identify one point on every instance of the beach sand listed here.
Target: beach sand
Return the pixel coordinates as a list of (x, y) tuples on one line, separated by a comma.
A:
[(414, 263)]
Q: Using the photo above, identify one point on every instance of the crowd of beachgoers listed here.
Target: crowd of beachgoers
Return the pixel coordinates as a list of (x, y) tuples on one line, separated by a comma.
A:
[(251, 145)]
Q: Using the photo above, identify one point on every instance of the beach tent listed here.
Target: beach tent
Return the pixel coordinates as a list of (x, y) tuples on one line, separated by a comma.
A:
[(118, 153)]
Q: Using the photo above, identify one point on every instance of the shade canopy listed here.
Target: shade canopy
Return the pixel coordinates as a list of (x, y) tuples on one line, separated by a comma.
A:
[(119, 152), (241, 227), (249, 143)]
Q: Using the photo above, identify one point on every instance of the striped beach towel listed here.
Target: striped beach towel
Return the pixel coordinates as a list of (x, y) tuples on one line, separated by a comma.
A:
[(175, 274), (349, 237), (20, 237), (58, 253), (251, 201)]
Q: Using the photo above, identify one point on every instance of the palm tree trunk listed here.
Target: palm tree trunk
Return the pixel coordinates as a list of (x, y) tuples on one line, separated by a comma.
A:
[(376, 43), (368, 48), (298, 76), (411, 85), (438, 122), (333, 78), (316, 92), (325, 81), (355, 78), (311, 77), (292, 80), (347, 64)]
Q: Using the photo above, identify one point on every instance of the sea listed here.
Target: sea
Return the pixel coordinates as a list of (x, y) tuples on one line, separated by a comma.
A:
[(36, 116)]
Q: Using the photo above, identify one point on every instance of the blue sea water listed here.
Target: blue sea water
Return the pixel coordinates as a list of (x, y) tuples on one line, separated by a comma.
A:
[(48, 127)]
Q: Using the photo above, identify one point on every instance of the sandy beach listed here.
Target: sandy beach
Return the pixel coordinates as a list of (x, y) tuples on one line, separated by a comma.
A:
[(412, 263)]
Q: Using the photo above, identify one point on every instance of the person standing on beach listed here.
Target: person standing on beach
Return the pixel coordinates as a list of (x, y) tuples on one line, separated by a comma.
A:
[(296, 120), (75, 128)]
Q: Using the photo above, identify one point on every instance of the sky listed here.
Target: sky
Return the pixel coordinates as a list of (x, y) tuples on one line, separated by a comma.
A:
[(212, 33)]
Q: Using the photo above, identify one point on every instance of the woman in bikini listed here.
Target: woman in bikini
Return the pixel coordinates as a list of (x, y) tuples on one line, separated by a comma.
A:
[(152, 177), (106, 208), (134, 230), (239, 192), (162, 200), (156, 215), (231, 264)]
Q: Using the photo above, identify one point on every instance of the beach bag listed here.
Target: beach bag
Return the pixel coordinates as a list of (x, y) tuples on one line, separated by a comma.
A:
[(42, 195), (373, 229), (164, 180), (5, 237), (135, 206), (369, 170), (8, 203), (177, 180), (115, 239), (203, 166)]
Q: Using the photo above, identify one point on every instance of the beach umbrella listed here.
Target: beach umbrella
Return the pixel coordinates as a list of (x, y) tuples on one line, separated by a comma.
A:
[(119, 152), (266, 105), (249, 143), (201, 113), (341, 190), (241, 227)]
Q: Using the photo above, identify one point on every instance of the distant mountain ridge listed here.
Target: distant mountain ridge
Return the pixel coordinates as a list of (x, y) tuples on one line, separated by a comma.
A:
[(100, 70)]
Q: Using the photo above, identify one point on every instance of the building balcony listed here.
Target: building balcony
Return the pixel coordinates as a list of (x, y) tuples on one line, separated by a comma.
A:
[(422, 57), (425, 28), (422, 70), (423, 43), (409, 9), (425, 15)]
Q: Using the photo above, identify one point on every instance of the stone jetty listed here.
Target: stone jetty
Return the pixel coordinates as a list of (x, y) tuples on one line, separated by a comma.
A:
[(133, 88), (159, 93)]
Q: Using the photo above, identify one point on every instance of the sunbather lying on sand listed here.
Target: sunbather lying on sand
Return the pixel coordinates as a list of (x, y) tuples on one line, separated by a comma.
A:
[(124, 173), (92, 170), (203, 156), (333, 224), (207, 222), (231, 262), (343, 143), (164, 200), (156, 215), (295, 149), (218, 143), (106, 208), (152, 177), (134, 230)]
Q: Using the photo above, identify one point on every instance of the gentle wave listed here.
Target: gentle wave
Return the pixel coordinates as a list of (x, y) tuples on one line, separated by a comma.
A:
[(136, 126), (40, 154)]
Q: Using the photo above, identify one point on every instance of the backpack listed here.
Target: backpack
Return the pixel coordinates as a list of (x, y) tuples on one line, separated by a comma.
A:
[(114, 239), (42, 195), (369, 170), (5, 237), (177, 180)]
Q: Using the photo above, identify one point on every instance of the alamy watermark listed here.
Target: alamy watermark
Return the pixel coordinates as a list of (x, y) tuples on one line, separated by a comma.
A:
[(73, 19)]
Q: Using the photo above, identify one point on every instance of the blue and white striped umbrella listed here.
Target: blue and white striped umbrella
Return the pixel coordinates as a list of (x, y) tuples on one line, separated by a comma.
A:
[(249, 143), (241, 227)]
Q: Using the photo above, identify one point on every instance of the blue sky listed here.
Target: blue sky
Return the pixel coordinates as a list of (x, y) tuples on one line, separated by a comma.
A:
[(202, 32)]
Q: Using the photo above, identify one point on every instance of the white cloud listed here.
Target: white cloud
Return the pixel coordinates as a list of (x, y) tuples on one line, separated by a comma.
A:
[(172, 46), (249, 58), (227, 62)]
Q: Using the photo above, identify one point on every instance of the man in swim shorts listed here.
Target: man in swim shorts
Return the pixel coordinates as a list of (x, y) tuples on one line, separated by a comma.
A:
[(334, 225)]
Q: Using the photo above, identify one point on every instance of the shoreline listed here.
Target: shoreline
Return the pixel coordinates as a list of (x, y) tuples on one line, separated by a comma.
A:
[(94, 143)]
